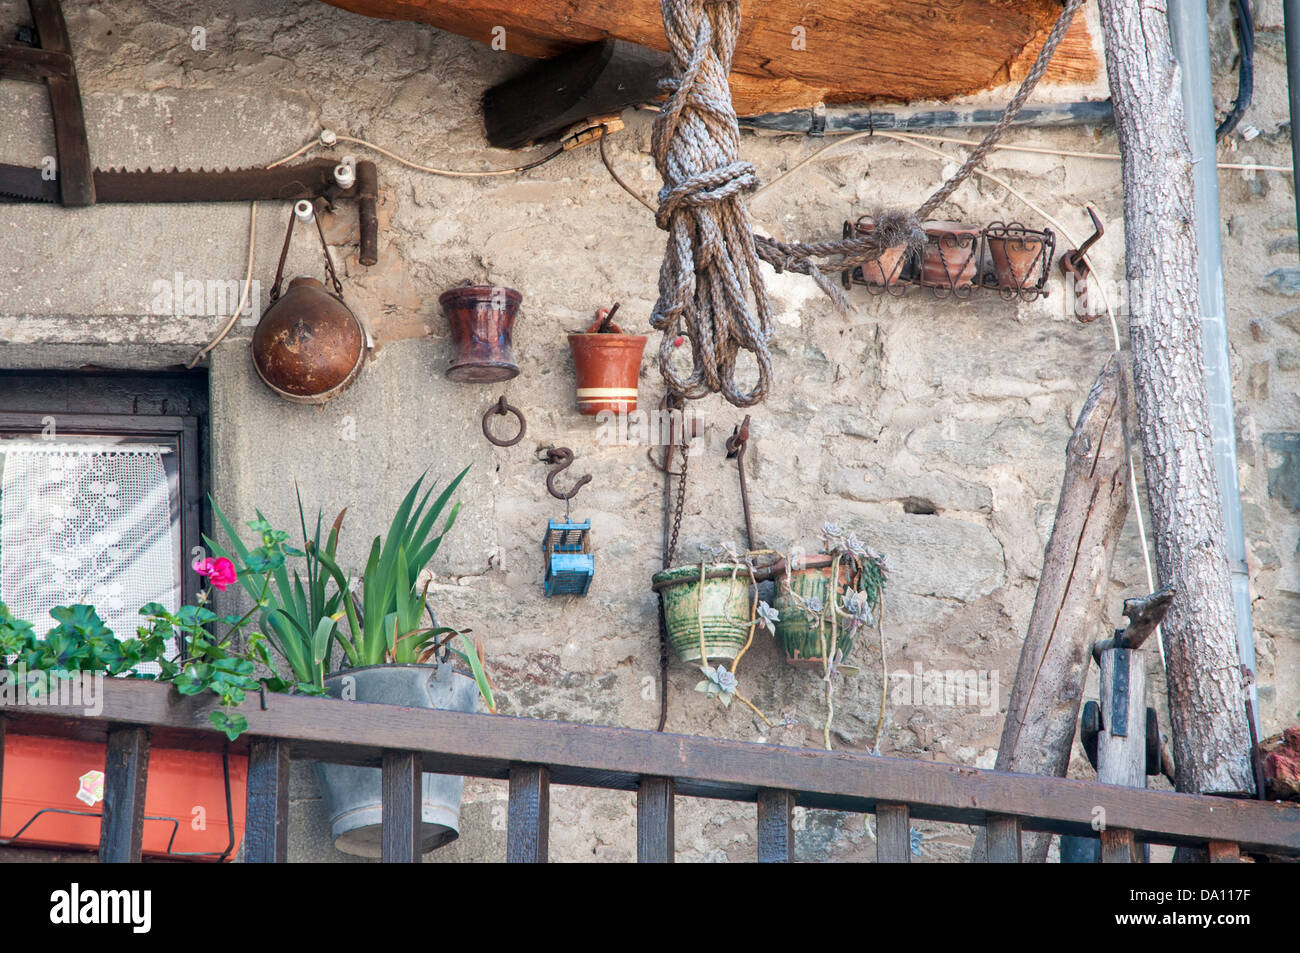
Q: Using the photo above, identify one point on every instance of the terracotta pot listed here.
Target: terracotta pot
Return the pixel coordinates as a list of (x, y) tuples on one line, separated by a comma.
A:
[(951, 256), (482, 319), (886, 269), (607, 367), (45, 774), (308, 346), (1017, 259)]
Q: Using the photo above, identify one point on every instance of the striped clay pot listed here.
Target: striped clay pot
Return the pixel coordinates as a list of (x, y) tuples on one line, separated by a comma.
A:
[(797, 629), (722, 603)]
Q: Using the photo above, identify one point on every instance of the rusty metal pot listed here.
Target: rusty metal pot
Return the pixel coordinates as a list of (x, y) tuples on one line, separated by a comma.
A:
[(482, 319), (308, 346)]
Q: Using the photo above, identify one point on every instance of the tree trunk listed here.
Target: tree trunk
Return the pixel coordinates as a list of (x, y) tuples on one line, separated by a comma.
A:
[(1071, 603), (1206, 691)]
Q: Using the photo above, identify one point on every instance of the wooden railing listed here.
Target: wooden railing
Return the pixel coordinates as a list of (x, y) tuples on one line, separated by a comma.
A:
[(533, 754)]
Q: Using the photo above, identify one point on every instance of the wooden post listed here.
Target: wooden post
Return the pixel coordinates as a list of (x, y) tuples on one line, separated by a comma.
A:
[(1003, 834), (402, 793), (1206, 689), (775, 827), (1068, 611), (126, 772), (266, 837), (655, 836), (893, 834), (528, 825)]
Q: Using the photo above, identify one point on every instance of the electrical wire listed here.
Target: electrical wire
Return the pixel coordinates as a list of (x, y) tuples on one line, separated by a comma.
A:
[(1245, 69)]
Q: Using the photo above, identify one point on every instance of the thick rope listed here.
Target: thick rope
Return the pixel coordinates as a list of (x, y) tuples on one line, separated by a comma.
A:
[(710, 267), (710, 273)]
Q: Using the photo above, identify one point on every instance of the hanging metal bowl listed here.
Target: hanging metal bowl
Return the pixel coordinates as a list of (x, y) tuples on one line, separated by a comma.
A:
[(308, 346)]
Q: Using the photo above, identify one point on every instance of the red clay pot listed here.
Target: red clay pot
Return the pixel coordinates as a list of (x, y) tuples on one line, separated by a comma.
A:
[(951, 256), (1016, 260), (482, 319), (886, 269), (607, 367)]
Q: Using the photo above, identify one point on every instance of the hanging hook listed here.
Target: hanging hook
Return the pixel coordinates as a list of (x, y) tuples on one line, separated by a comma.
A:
[(563, 456), (502, 408)]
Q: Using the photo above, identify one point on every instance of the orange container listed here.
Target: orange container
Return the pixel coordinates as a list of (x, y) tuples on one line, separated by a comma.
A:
[(189, 786), (607, 366)]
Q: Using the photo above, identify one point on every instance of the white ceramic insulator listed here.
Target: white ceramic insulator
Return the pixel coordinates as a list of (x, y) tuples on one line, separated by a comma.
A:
[(328, 137), (303, 209), (345, 175)]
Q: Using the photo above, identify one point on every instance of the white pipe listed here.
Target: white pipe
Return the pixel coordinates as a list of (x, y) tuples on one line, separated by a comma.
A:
[(1191, 38)]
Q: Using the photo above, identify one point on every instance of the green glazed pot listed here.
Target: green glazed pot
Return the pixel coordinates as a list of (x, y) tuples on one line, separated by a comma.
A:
[(797, 628), (720, 603)]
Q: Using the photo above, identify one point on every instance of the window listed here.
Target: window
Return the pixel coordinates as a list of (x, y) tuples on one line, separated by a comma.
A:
[(101, 489)]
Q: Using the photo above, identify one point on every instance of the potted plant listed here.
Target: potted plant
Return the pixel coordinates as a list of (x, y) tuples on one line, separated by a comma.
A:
[(607, 363), (393, 656), (706, 609)]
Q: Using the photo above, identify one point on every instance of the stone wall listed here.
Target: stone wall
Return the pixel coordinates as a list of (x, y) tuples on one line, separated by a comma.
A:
[(934, 430)]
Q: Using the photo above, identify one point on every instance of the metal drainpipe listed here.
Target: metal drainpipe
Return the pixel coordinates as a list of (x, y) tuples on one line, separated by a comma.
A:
[(1190, 27)]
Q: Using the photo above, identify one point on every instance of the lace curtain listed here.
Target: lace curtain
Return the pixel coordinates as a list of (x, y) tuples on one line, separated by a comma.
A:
[(86, 523)]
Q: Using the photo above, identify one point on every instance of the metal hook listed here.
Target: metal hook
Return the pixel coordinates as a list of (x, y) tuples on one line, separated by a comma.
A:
[(502, 408), (563, 456)]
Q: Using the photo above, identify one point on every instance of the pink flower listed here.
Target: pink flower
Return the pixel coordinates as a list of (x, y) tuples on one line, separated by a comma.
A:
[(220, 572)]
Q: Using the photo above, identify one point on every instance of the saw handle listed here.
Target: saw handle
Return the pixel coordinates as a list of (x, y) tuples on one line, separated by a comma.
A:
[(367, 197)]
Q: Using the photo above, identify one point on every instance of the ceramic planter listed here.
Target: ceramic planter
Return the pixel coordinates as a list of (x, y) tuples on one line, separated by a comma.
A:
[(950, 261), (721, 604), (886, 270), (482, 320), (308, 346), (353, 796), (797, 629), (45, 777), (1020, 258), (607, 366)]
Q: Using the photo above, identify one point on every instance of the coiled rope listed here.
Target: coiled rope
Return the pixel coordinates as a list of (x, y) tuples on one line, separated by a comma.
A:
[(710, 273)]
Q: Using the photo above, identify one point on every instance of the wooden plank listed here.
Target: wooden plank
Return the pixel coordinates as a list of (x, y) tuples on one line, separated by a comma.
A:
[(126, 771), (266, 835), (655, 814), (1043, 709), (528, 827), (775, 827), (402, 791), (76, 185), (790, 53), (1224, 852), (1122, 759), (1118, 846), (1003, 839), (617, 758), (893, 834), (32, 65)]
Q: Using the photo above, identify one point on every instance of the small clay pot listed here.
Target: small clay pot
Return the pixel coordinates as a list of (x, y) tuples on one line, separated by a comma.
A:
[(607, 365), (951, 257), (1017, 259), (482, 320), (885, 270), (308, 346)]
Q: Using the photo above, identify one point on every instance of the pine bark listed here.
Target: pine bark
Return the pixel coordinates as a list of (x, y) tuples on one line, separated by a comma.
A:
[(1070, 606), (1206, 690)]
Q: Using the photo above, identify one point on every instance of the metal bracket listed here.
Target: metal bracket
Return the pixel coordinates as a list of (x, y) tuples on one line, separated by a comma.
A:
[(1119, 694)]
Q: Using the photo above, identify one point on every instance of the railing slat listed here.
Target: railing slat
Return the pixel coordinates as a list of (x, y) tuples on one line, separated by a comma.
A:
[(1118, 847), (655, 811), (402, 790), (775, 827), (1224, 852), (528, 826), (893, 834), (266, 837), (1004, 839), (126, 772)]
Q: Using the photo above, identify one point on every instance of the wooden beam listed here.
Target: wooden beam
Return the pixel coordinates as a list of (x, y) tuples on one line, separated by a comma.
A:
[(1003, 839), (528, 826), (1070, 606), (1224, 852), (489, 746), (791, 54), (893, 834), (126, 773), (1119, 847), (76, 184), (401, 811), (655, 821), (266, 834), (775, 827)]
